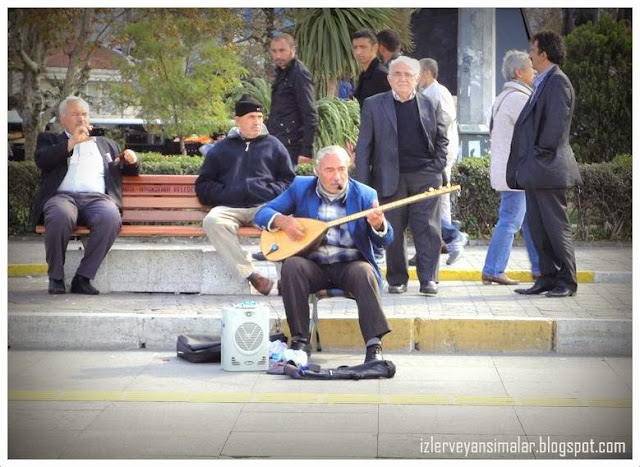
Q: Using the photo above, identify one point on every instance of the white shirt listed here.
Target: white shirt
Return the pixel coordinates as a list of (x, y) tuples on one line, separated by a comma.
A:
[(439, 93), (86, 169)]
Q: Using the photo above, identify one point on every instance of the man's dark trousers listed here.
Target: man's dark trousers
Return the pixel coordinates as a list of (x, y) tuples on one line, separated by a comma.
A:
[(301, 277), (423, 218), (551, 235), (62, 212)]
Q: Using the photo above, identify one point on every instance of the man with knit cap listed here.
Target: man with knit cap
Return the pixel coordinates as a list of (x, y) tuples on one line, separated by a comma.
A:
[(240, 173)]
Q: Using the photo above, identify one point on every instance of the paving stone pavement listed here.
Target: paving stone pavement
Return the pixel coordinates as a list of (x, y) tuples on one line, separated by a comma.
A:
[(152, 405), (600, 309)]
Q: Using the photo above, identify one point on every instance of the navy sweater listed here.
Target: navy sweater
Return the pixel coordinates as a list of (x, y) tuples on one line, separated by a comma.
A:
[(242, 173)]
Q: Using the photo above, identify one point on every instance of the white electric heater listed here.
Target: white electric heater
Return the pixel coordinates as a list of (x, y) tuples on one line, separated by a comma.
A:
[(245, 338)]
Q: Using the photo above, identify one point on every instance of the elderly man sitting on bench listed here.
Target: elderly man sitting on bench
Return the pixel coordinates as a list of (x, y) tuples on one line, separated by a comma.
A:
[(81, 183), (239, 173)]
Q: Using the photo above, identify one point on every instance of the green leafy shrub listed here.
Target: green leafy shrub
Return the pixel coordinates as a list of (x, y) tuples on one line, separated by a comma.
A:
[(601, 207), (477, 205), (156, 163), (24, 182), (305, 169), (598, 63), (603, 202)]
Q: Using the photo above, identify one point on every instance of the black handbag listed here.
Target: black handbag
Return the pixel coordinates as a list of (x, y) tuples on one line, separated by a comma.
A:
[(203, 348), (199, 348)]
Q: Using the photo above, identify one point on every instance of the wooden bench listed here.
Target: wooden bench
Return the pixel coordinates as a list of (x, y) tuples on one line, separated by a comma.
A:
[(161, 205)]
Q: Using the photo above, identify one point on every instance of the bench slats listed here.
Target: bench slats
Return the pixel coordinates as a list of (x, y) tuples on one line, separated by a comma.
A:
[(159, 179), (163, 231), (157, 215), (161, 199), (159, 185), (165, 202)]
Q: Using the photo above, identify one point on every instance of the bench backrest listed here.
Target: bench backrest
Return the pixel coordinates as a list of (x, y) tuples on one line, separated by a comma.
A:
[(161, 205), (161, 199)]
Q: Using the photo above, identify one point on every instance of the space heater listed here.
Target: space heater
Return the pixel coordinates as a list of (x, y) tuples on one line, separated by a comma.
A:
[(245, 337)]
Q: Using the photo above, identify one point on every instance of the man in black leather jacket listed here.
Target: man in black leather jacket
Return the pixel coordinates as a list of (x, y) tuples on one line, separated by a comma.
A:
[(293, 118)]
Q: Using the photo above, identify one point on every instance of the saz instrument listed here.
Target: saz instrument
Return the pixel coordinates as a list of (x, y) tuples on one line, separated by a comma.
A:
[(277, 246)]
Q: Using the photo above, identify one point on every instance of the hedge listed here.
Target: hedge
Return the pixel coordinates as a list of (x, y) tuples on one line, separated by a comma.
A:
[(599, 210)]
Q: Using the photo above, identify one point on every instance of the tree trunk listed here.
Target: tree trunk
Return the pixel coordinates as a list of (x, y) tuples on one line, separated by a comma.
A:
[(270, 22), (28, 51), (183, 148)]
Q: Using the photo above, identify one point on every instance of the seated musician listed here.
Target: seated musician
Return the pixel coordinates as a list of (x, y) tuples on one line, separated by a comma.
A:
[(345, 257)]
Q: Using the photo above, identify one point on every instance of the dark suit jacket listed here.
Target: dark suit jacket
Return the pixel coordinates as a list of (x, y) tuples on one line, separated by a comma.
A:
[(377, 158), (301, 200), (540, 156), (52, 158)]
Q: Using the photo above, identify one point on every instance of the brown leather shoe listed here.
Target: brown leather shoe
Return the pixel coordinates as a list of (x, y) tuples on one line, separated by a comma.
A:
[(502, 279), (260, 283)]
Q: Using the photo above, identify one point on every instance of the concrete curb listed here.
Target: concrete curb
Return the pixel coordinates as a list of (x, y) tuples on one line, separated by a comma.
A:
[(584, 277), (448, 335)]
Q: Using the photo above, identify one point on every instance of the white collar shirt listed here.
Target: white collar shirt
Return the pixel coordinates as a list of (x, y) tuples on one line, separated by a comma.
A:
[(86, 170)]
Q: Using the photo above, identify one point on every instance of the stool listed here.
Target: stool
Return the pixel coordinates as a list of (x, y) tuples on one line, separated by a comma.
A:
[(313, 301)]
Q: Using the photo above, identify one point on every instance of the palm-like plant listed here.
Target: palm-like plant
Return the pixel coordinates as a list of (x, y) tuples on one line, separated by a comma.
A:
[(324, 39), (339, 121), (259, 89)]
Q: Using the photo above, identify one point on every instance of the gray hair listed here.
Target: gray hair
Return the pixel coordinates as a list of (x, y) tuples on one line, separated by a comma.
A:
[(430, 65), (514, 60), (337, 150), (410, 62), (62, 108)]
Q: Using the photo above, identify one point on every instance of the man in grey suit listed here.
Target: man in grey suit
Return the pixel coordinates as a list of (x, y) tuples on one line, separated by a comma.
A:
[(402, 151), (80, 182), (542, 163)]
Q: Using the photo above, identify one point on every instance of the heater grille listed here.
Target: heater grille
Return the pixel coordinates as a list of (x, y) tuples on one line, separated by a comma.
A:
[(249, 337)]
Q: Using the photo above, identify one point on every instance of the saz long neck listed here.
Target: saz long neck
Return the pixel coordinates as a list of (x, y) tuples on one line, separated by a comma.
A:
[(393, 205)]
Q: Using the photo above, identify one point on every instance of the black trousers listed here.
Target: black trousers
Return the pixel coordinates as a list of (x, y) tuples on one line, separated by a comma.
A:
[(301, 277), (423, 218), (551, 234), (62, 212)]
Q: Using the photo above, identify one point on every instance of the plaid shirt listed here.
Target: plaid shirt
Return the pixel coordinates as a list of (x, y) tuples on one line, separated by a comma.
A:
[(337, 245)]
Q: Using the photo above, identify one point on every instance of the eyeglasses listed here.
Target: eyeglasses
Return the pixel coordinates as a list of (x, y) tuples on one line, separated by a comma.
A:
[(397, 74)]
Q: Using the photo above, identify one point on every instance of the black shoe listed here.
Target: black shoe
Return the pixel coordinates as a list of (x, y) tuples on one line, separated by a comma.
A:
[(534, 290), (56, 286), (82, 285), (374, 352), (559, 292), (430, 288), (301, 345), (414, 261), (259, 256), (402, 288)]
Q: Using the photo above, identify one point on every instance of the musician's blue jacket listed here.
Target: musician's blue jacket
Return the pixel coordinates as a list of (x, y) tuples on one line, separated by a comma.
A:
[(301, 200)]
